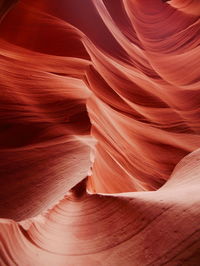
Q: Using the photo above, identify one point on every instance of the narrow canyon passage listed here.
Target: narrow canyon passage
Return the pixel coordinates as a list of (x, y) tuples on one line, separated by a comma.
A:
[(99, 132)]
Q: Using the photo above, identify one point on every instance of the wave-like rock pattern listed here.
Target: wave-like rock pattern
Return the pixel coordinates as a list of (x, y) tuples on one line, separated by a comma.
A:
[(108, 91)]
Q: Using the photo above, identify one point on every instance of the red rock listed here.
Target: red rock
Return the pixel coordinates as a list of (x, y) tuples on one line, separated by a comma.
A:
[(99, 132)]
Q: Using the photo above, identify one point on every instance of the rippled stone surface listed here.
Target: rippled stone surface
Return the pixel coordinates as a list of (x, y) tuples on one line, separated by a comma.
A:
[(99, 132)]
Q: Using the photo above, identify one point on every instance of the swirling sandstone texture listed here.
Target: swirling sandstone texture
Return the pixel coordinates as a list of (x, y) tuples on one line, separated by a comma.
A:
[(99, 133)]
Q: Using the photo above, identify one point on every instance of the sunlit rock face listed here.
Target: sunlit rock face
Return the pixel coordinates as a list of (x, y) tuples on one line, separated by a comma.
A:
[(99, 133)]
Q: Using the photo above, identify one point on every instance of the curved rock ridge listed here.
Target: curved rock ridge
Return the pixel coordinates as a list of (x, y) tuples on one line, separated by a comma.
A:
[(99, 109), (136, 228)]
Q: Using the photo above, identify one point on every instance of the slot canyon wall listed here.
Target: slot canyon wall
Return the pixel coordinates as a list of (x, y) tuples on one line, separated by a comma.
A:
[(99, 132)]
